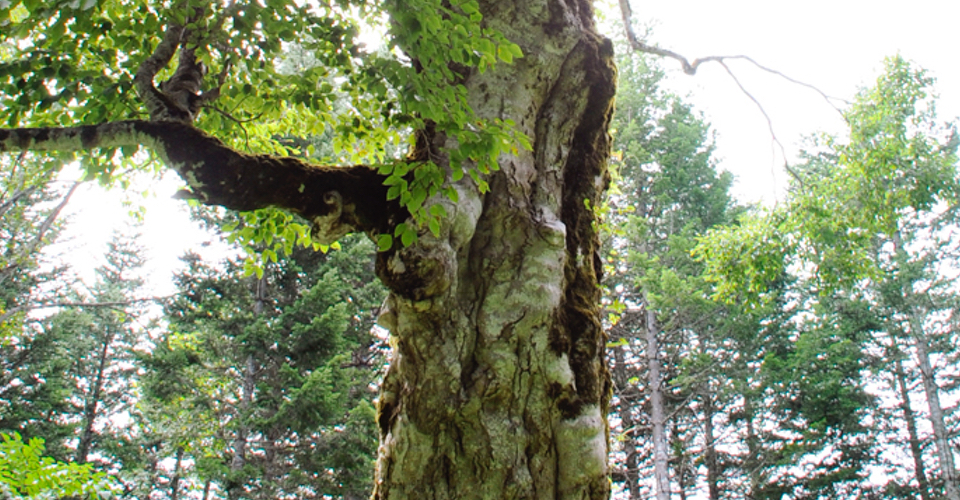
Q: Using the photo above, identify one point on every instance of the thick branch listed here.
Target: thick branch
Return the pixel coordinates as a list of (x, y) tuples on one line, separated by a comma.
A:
[(179, 98), (338, 200), (157, 104)]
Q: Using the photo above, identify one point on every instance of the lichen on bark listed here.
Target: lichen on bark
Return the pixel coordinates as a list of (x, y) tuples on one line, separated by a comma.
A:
[(498, 387)]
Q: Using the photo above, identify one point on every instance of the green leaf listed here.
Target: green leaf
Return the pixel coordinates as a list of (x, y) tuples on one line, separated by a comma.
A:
[(408, 237), (384, 242)]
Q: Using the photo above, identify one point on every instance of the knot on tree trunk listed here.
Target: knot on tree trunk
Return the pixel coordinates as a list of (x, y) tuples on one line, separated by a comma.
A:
[(418, 272)]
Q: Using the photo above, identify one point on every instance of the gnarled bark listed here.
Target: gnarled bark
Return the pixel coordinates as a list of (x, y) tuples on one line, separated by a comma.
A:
[(498, 387)]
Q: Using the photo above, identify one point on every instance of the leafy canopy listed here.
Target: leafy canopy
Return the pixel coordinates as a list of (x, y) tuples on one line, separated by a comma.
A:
[(26, 473), (275, 67), (897, 161)]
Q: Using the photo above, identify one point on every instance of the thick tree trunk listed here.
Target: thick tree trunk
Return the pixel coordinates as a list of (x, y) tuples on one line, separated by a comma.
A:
[(498, 386), (916, 447)]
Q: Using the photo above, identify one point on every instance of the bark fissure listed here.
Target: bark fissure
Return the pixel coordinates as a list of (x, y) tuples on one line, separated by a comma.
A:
[(498, 386), (500, 369)]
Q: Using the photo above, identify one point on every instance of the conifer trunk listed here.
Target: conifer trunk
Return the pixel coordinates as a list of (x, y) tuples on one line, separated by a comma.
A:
[(93, 402), (948, 470), (916, 448), (915, 320), (661, 456), (627, 395), (710, 447)]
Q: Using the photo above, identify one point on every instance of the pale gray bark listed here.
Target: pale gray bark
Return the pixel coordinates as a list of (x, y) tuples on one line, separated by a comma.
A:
[(899, 385), (948, 470), (661, 456), (915, 320)]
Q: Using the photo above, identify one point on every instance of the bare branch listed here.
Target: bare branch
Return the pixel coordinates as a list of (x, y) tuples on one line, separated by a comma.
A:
[(828, 98), (45, 305), (118, 303), (690, 68), (773, 134), (20, 193), (38, 238)]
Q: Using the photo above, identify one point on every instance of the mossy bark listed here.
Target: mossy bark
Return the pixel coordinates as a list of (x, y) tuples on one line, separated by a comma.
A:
[(498, 387)]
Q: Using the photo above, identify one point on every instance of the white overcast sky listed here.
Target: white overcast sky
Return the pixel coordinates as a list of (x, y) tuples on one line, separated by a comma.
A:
[(837, 46)]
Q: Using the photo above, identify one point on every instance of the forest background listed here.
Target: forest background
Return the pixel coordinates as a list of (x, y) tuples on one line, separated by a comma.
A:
[(792, 443)]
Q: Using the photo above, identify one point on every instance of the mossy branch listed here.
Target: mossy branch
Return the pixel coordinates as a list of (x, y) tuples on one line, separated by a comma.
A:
[(337, 199)]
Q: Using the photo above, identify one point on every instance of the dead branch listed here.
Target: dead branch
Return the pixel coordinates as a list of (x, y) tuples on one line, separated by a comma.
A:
[(773, 134), (690, 68), (41, 232), (45, 305)]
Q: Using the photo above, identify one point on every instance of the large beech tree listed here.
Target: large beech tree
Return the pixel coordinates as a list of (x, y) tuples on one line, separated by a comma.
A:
[(497, 388)]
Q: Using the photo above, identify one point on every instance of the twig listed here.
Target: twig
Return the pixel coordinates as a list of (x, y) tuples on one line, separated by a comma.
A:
[(828, 98), (773, 134), (690, 68), (41, 232), (246, 136), (43, 305), (20, 193)]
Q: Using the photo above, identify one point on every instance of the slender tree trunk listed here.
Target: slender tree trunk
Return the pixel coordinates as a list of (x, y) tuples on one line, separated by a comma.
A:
[(175, 481), (93, 402), (498, 386), (235, 482), (709, 446), (751, 462), (248, 386), (661, 456), (681, 461), (916, 450), (627, 396), (271, 465), (930, 388), (937, 421), (152, 451)]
